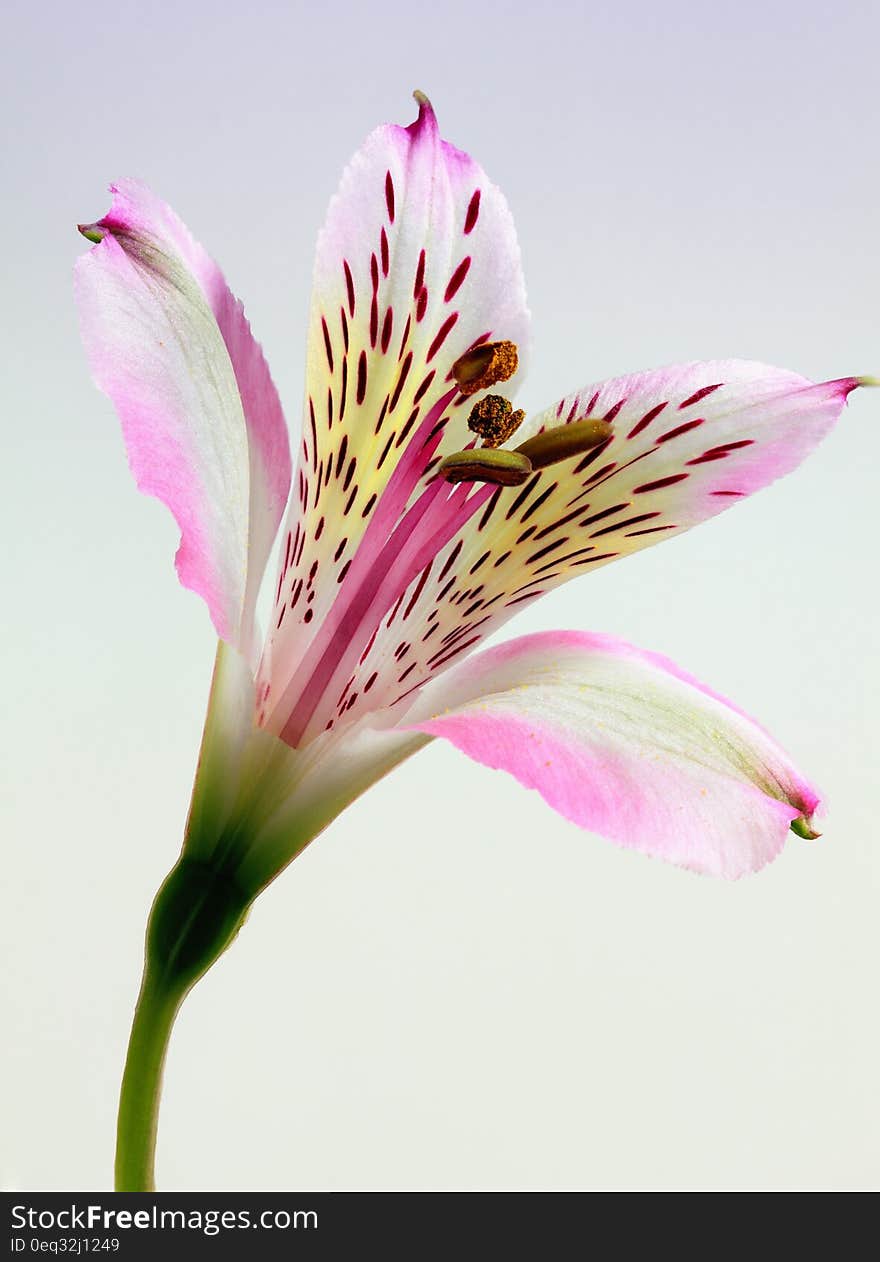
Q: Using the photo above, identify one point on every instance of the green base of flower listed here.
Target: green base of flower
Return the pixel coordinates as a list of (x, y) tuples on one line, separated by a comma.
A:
[(196, 915)]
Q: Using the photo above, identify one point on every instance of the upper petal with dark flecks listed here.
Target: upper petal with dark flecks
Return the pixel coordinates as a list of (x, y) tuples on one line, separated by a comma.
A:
[(687, 442), (416, 263)]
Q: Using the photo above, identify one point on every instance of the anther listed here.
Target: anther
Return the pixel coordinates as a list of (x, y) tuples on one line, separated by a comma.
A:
[(563, 441), (486, 464), (494, 419), (485, 366)]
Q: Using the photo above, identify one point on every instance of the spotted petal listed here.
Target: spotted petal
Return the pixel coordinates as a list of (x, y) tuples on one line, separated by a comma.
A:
[(417, 262), (624, 743), (687, 442), (205, 433)]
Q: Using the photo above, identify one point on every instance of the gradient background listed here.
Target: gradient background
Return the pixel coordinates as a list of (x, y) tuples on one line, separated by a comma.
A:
[(453, 987)]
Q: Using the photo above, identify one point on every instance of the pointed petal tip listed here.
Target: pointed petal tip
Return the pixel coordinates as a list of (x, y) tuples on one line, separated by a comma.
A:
[(846, 385), (426, 117), (93, 232), (801, 827)]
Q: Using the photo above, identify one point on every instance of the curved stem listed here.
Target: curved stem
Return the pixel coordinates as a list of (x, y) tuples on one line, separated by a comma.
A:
[(196, 914), (157, 1006)]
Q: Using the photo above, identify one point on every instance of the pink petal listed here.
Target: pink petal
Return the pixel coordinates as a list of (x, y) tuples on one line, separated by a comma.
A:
[(688, 442), (393, 307), (624, 743), (170, 345)]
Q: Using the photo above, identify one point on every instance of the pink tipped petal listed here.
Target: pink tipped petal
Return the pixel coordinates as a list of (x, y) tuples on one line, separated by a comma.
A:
[(417, 261), (624, 743), (687, 442), (170, 345)]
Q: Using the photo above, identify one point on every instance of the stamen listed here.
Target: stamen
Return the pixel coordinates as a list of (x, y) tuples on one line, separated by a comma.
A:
[(486, 464), (564, 441), (484, 366), (494, 419)]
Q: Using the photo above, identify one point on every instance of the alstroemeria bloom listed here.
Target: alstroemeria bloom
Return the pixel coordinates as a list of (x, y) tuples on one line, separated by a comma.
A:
[(390, 574), (425, 512)]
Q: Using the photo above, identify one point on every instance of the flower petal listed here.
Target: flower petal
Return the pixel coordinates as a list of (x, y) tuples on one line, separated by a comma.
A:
[(688, 442), (417, 261), (171, 346), (624, 743)]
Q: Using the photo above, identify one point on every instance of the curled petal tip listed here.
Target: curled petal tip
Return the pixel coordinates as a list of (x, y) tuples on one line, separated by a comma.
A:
[(801, 828), (92, 232), (426, 111)]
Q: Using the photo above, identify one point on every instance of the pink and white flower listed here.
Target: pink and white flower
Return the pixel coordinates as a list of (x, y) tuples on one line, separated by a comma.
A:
[(390, 573)]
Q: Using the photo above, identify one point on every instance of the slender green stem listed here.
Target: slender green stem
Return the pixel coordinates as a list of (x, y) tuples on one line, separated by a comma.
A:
[(157, 1006)]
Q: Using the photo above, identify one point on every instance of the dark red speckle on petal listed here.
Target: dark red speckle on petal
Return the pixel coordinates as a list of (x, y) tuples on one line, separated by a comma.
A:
[(680, 429), (405, 432), (418, 591), (349, 286), (622, 525), (424, 387), (646, 419), (700, 394), (450, 561), (374, 320), (405, 338), (420, 275), (404, 373), (722, 452), (327, 345), (389, 195), (651, 530), (660, 483), (473, 212), (386, 330), (344, 389), (442, 334), (457, 279)]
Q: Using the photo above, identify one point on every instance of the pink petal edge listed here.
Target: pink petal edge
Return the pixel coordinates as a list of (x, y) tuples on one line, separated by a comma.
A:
[(642, 796)]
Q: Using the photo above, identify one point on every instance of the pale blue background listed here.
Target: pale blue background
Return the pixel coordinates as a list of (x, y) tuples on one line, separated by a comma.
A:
[(452, 988)]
